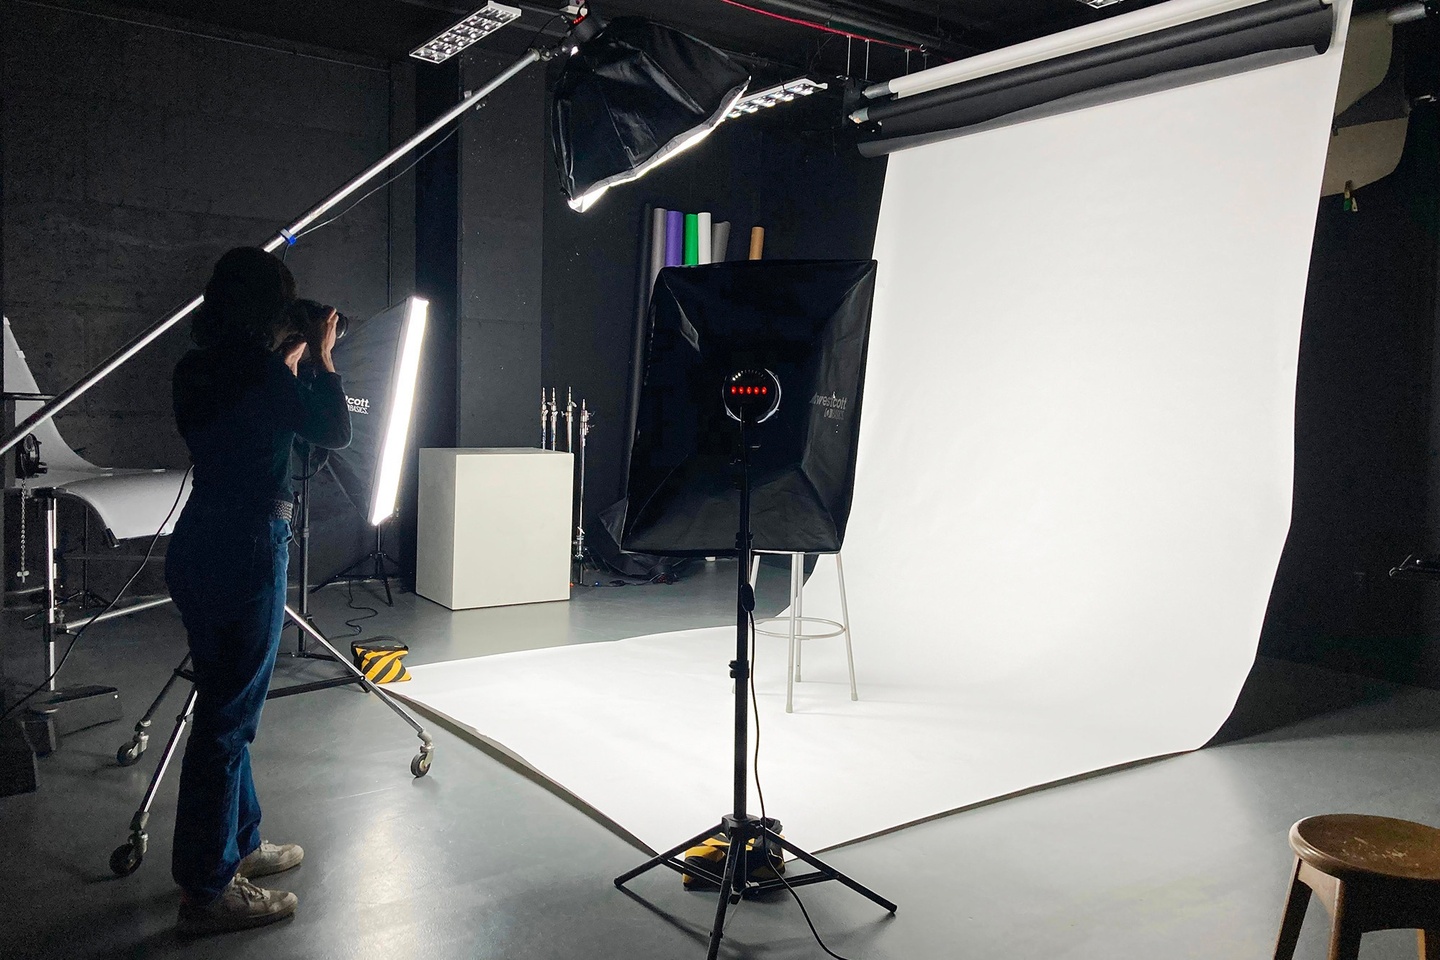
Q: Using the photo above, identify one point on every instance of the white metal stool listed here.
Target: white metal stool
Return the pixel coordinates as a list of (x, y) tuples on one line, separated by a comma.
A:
[(796, 621)]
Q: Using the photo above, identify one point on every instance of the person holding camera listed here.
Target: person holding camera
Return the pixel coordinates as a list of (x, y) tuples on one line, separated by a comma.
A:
[(241, 398)]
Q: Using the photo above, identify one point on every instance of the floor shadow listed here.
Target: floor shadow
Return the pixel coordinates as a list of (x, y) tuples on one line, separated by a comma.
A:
[(1278, 694)]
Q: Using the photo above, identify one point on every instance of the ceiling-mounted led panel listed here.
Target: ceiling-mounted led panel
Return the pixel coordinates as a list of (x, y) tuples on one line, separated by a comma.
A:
[(774, 96), (481, 23)]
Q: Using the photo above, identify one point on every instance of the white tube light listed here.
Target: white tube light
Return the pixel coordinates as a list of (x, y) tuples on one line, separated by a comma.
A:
[(451, 41), (1126, 26), (386, 492)]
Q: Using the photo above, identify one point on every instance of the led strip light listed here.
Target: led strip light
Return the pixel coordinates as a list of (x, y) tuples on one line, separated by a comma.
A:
[(774, 96), (479, 24)]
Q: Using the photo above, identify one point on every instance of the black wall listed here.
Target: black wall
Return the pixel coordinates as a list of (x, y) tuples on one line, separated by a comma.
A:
[(134, 155), (502, 176), (1367, 432), (785, 169)]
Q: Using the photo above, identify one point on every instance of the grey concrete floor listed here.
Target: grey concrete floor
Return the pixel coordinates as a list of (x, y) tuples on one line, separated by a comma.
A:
[(1183, 857)]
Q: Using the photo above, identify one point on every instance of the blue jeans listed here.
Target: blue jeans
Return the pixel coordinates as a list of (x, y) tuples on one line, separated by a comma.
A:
[(226, 569)]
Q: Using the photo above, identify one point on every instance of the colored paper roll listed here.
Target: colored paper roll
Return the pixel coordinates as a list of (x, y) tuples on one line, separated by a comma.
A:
[(757, 242), (703, 238), (674, 238), (720, 242), (692, 239), (657, 247)]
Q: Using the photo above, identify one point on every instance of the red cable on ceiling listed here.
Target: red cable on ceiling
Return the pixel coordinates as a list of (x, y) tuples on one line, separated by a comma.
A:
[(822, 27)]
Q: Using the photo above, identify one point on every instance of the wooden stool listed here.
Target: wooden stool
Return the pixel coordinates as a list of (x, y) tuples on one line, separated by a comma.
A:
[(1372, 873)]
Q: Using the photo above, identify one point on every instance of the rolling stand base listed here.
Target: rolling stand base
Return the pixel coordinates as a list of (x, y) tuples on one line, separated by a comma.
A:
[(53, 714)]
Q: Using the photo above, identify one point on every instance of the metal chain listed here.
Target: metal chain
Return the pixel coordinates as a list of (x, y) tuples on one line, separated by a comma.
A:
[(23, 573)]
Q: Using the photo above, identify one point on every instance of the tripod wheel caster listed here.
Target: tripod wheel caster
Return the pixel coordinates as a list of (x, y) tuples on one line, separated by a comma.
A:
[(126, 859), (420, 765), (129, 754)]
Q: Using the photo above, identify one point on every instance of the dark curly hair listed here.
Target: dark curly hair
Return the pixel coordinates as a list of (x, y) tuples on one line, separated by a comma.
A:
[(245, 302)]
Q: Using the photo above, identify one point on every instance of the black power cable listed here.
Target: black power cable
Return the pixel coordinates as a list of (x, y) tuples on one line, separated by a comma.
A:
[(149, 551)]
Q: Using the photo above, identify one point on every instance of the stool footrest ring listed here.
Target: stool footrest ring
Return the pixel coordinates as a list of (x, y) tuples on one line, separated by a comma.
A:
[(839, 628)]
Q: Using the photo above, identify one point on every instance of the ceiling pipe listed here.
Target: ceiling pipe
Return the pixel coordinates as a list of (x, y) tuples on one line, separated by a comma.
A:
[(829, 15)]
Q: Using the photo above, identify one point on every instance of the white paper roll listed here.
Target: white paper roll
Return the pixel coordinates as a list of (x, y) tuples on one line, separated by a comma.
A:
[(704, 236)]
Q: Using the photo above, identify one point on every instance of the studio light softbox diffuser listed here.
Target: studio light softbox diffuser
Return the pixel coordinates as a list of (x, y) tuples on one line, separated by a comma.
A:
[(631, 97), (379, 361), (808, 322)]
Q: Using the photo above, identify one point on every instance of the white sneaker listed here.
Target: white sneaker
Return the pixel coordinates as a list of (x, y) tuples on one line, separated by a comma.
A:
[(240, 906), (270, 858)]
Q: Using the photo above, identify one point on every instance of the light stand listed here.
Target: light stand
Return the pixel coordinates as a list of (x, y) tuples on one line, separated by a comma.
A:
[(304, 619), (377, 571), (57, 711), (127, 857), (741, 829)]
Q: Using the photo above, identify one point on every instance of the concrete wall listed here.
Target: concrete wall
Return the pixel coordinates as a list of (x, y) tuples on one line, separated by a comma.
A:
[(134, 156), (503, 169)]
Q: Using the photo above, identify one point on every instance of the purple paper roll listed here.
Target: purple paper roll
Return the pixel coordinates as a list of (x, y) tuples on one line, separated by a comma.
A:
[(674, 238)]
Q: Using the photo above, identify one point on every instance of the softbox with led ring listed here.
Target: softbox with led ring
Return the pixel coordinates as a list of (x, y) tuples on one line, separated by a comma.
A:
[(631, 97), (808, 322)]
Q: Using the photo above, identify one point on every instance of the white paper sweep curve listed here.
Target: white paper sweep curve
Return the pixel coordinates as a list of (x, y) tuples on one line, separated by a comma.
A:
[(1073, 487)]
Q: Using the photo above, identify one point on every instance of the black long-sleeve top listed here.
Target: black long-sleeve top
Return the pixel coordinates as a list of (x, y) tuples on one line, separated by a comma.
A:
[(240, 409)]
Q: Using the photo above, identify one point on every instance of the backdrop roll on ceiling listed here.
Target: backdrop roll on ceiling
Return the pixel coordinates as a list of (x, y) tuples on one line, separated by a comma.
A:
[(1072, 492)]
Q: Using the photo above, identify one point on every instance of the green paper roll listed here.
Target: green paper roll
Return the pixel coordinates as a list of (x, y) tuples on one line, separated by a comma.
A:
[(692, 239)]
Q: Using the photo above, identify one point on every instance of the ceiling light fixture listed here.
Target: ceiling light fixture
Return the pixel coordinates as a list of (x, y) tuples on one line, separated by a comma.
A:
[(481, 23), (774, 96)]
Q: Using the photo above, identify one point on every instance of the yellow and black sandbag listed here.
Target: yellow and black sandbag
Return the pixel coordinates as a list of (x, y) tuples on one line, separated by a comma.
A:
[(381, 659), (709, 855)]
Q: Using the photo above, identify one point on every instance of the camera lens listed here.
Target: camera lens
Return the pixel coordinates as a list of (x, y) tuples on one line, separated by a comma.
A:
[(342, 325)]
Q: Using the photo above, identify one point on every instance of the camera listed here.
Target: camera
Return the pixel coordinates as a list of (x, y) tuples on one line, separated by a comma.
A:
[(307, 319), (304, 321)]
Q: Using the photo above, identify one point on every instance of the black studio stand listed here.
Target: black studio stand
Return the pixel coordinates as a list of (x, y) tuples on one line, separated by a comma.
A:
[(303, 650), (374, 567), (746, 835)]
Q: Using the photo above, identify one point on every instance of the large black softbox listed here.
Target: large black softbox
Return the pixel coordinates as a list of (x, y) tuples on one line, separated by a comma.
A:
[(807, 321), (630, 98)]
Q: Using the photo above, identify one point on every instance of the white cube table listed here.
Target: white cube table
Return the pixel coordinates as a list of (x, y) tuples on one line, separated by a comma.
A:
[(494, 526)]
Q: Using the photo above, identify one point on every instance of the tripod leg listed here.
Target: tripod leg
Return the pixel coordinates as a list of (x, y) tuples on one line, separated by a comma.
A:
[(126, 857), (130, 752), (831, 872), (421, 765), (658, 859), (734, 856)]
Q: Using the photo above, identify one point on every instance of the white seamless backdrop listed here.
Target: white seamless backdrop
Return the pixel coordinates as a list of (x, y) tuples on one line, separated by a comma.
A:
[(1077, 450), (1073, 487)]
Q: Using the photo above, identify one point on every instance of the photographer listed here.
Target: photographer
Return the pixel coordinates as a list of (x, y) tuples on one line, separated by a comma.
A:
[(240, 400)]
